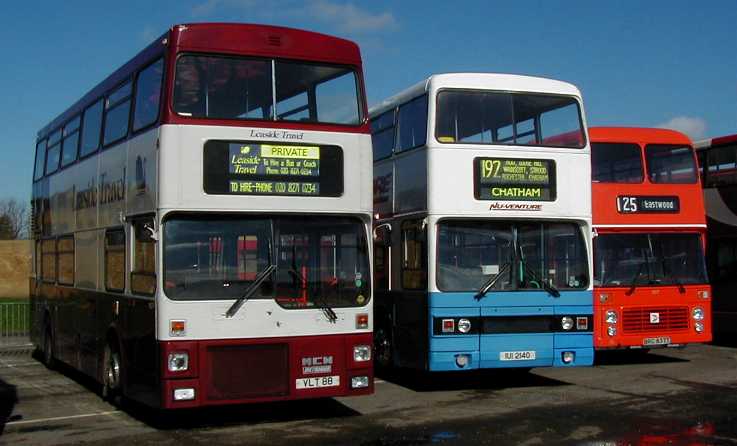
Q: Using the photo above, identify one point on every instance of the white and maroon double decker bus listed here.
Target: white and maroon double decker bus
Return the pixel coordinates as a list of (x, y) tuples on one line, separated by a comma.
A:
[(201, 222)]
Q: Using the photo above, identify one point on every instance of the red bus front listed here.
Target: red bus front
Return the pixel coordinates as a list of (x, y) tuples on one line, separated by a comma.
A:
[(650, 283)]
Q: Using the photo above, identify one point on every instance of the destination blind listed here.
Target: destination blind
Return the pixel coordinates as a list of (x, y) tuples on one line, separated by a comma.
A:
[(272, 169), (514, 179)]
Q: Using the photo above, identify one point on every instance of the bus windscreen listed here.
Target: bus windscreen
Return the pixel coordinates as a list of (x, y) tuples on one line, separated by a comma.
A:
[(527, 256), (521, 119), (318, 261), (220, 87), (670, 163), (625, 260)]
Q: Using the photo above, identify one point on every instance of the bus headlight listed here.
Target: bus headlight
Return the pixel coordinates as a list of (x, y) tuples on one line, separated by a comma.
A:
[(611, 317), (178, 361), (361, 353), (611, 330), (566, 323), (699, 327), (698, 314), (359, 382), (464, 325)]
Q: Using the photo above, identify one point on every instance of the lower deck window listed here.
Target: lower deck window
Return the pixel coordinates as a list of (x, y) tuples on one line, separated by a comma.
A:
[(115, 260)]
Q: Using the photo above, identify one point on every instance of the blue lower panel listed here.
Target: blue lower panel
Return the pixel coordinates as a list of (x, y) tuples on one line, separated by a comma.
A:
[(486, 351), (581, 344), (446, 361), (492, 347)]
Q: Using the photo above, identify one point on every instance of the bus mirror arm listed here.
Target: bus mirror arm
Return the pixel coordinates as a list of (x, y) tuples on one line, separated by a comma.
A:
[(385, 229), (153, 233)]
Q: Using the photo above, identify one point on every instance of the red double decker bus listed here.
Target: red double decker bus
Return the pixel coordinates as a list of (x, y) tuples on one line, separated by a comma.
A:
[(650, 281)]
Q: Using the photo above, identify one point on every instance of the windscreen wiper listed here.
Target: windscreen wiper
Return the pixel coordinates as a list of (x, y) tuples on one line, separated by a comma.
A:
[(326, 310), (553, 291), (667, 270), (263, 275), (489, 284), (634, 280), (321, 304)]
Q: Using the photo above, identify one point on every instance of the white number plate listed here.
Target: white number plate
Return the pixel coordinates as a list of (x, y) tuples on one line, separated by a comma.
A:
[(663, 340), (318, 382), (517, 356)]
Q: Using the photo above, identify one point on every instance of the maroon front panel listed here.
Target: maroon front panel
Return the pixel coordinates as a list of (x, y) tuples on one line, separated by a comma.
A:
[(236, 371), (246, 371)]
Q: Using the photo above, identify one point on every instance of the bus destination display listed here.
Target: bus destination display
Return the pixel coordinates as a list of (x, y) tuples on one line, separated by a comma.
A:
[(256, 168), (274, 161), (514, 179)]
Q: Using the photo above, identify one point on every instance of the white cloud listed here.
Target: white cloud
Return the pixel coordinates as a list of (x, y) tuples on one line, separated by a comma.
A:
[(691, 126), (148, 33), (350, 18), (345, 17)]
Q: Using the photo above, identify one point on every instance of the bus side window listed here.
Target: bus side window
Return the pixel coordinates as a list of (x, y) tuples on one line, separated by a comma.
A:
[(382, 135), (65, 255), (148, 95), (143, 273), (414, 255), (115, 260), (412, 123), (48, 260), (117, 114), (382, 246), (91, 126)]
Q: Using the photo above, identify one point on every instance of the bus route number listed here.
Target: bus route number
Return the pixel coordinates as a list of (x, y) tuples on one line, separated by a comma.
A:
[(490, 168), (627, 205)]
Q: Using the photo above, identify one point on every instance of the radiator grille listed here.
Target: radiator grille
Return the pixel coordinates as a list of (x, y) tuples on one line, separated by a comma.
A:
[(248, 371), (637, 320)]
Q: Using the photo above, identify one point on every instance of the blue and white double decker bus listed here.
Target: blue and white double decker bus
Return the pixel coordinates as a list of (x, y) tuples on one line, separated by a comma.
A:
[(482, 200)]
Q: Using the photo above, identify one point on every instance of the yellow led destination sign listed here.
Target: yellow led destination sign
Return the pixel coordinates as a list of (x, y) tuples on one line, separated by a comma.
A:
[(272, 168), (272, 160), (514, 179)]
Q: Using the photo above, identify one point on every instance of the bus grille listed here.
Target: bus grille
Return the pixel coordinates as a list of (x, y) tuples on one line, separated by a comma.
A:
[(637, 320), (247, 371)]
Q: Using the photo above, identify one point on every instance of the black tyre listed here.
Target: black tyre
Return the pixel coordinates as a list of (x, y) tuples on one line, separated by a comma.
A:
[(47, 352), (111, 374)]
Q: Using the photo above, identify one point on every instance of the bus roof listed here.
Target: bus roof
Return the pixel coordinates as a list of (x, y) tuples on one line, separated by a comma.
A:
[(223, 38), (642, 135), (477, 81), (713, 142)]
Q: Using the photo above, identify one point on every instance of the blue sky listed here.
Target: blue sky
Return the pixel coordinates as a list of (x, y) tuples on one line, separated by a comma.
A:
[(656, 63)]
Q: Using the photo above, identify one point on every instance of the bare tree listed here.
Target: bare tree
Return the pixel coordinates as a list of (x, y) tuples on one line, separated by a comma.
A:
[(13, 219)]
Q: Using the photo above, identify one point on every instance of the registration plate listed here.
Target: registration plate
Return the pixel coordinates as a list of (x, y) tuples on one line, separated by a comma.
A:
[(662, 340), (318, 382), (517, 356)]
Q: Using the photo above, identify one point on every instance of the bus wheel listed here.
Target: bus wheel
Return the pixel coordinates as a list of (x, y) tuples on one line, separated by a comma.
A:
[(383, 347), (48, 349), (111, 374)]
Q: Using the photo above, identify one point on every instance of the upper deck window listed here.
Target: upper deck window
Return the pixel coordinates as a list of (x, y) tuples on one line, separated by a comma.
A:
[(670, 163), (241, 88), (382, 135), (720, 166), (148, 92), (117, 114), (38, 171), (616, 163), (522, 119)]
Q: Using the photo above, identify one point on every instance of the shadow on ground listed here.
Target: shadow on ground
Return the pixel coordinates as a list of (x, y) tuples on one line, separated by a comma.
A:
[(483, 380), (622, 357), (239, 415), (209, 417)]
